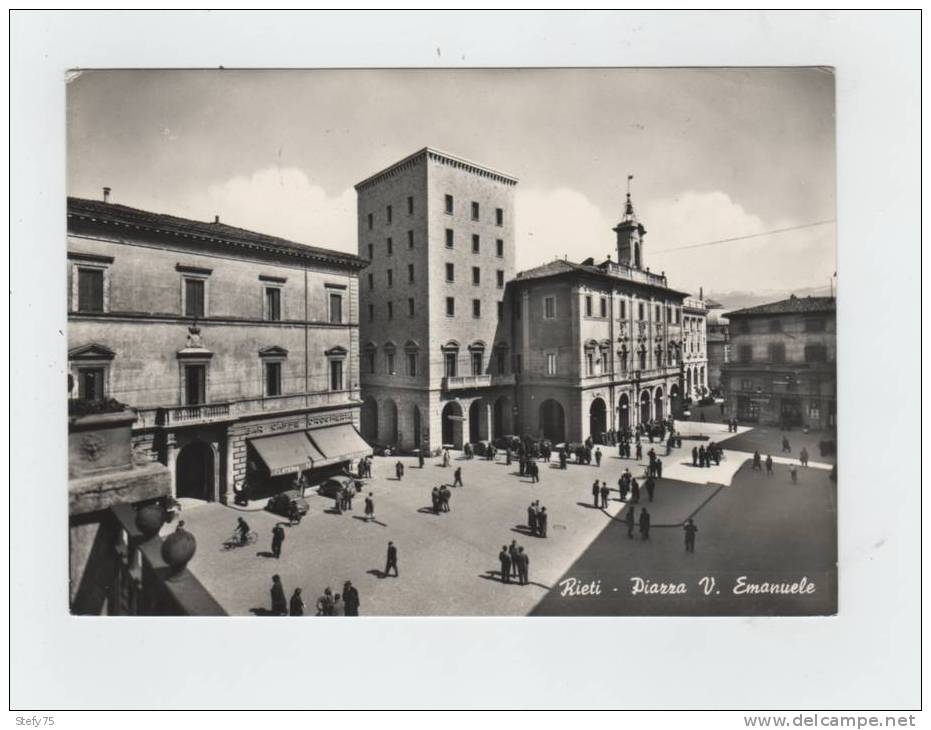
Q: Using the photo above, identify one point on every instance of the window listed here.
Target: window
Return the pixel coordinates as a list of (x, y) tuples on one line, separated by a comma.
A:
[(450, 272), (90, 290), (450, 363), (272, 304), (272, 378), (816, 353), (194, 297), (551, 364), (499, 248), (476, 244), (449, 204), (389, 245), (390, 274), (371, 249), (410, 205), (745, 353), (370, 360), (477, 362), (623, 309), (390, 310), (410, 272), (371, 312), (195, 385), (499, 216), (588, 305), (500, 310), (642, 359), (336, 374), (658, 313), (640, 311), (474, 211), (476, 308), (388, 213), (412, 364), (815, 324), (449, 238), (589, 362), (501, 358), (669, 317), (410, 239), (777, 352), (410, 307), (450, 307), (371, 281), (603, 309), (91, 383), (476, 275), (370, 221), (775, 325), (549, 308), (336, 308), (389, 360)]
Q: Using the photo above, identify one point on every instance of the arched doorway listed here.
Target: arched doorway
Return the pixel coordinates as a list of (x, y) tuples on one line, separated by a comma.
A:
[(368, 418), (501, 417), (478, 425), (597, 419), (452, 424), (418, 435), (675, 401), (391, 422), (553, 421), (644, 406), (195, 471), (659, 412), (623, 412)]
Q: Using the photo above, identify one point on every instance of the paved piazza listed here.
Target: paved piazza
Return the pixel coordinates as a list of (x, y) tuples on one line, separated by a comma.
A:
[(446, 561)]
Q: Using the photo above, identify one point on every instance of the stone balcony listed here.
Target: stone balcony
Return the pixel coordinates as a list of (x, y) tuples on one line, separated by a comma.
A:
[(486, 380)]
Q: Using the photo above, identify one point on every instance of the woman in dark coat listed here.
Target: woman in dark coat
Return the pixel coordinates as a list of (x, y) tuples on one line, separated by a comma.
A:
[(279, 602), (297, 603)]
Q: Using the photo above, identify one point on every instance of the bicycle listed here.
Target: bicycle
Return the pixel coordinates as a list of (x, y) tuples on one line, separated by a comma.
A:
[(234, 542)]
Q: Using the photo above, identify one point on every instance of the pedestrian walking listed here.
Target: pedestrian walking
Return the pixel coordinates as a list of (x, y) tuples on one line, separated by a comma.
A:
[(532, 519), (604, 495), (786, 449), (513, 551), (279, 602), (659, 470), (622, 488), (369, 508), (534, 472), (694, 456), (769, 465), (690, 531), (277, 539), (296, 604), (351, 599), (650, 486), (504, 560), (629, 518), (457, 477), (596, 493), (562, 458), (634, 491), (507, 456), (793, 472), (392, 559), (598, 457), (435, 500), (523, 567), (639, 451), (644, 524), (757, 465), (420, 458), (399, 470), (803, 456), (542, 519)]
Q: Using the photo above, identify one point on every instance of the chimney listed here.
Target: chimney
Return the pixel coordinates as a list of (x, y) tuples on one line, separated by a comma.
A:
[(106, 195), (216, 219)]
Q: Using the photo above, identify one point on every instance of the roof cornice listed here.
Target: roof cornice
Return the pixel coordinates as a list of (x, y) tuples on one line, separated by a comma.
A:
[(436, 156)]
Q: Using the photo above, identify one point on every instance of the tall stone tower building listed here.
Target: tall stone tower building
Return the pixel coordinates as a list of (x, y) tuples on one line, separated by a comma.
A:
[(630, 234), (436, 363)]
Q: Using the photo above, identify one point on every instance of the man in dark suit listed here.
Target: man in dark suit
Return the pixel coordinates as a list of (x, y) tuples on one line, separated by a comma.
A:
[(350, 599), (514, 551), (457, 477), (279, 602), (596, 493), (532, 519), (541, 522), (277, 539), (644, 524), (629, 519), (523, 567), (651, 487), (504, 558), (690, 531), (392, 561)]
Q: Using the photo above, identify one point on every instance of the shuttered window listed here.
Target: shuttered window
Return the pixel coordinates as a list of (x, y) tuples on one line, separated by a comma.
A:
[(90, 290), (194, 297)]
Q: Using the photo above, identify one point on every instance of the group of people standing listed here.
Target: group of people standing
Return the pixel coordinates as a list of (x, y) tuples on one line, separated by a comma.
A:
[(515, 563), (630, 518), (537, 519), (702, 455), (439, 498), (329, 604), (628, 484)]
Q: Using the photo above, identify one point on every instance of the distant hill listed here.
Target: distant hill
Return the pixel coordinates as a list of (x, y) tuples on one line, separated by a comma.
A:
[(739, 299)]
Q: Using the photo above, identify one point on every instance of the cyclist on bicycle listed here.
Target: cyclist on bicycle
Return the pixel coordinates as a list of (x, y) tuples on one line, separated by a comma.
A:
[(242, 531)]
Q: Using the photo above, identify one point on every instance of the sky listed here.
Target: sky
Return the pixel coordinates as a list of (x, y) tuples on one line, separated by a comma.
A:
[(715, 153)]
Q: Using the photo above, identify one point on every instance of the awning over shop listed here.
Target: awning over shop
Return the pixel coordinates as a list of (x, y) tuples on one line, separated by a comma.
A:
[(339, 443), (287, 453)]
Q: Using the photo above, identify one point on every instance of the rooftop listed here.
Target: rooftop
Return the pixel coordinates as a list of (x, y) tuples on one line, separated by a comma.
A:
[(440, 156), (606, 270), (792, 305), (122, 215)]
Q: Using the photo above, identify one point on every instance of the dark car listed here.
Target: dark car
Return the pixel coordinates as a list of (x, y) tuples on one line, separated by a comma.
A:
[(503, 442), (332, 487), (288, 504)]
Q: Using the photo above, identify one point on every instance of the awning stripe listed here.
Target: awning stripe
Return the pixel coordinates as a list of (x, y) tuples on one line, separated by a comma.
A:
[(287, 453)]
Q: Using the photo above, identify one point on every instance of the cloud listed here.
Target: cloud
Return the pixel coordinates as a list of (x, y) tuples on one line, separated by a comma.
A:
[(285, 202)]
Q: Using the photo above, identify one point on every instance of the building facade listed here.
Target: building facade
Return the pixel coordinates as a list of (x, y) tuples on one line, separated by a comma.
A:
[(598, 347), (436, 356), (695, 347), (783, 368), (718, 348), (238, 351)]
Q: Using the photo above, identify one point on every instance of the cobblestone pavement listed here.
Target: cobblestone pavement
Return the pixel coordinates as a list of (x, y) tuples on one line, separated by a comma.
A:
[(448, 563)]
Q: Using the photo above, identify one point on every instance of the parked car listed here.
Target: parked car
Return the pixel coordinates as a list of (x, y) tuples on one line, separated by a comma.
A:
[(509, 440), (288, 504), (333, 486)]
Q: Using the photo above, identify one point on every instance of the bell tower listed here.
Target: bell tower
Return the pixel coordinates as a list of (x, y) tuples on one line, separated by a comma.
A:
[(630, 234)]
